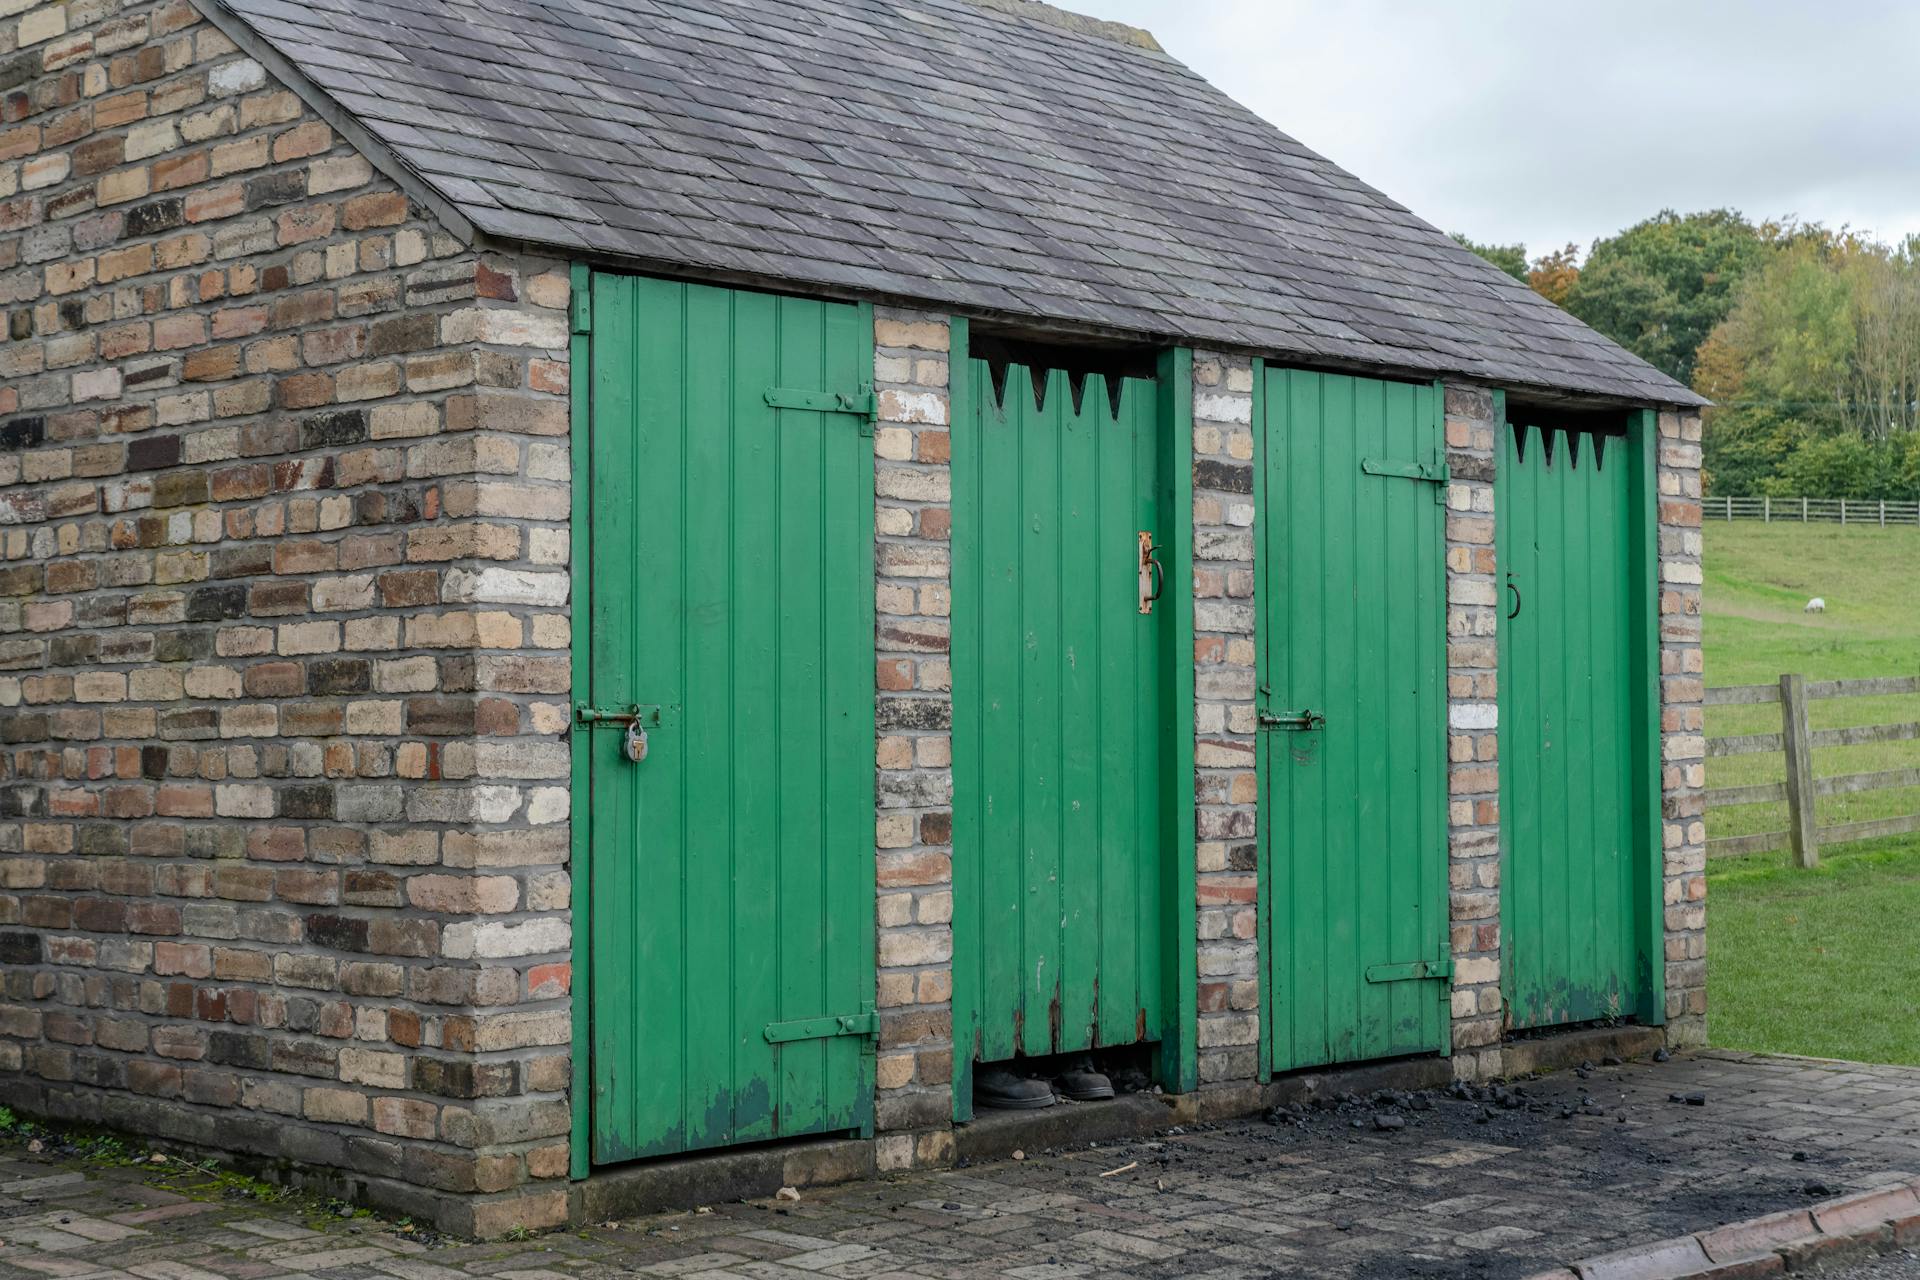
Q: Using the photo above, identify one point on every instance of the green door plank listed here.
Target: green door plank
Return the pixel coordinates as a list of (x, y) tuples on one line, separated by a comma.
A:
[(1177, 1059), (580, 774), (1353, 628), (731, 872), (1574, 851), (1642, 532), (1060, 733), (704, 567), (753, 497)]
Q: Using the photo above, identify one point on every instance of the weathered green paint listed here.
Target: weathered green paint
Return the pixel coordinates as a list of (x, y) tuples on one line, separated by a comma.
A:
[(1573, 843), (1177, 1064), (731, 584), (1353, 627), (1263, 922), (580, 782), (1060, 735), (1643, 552), (965, 979)]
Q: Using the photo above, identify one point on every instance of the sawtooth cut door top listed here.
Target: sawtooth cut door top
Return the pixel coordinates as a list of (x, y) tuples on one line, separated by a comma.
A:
[(1571, 824), (1059, 734)]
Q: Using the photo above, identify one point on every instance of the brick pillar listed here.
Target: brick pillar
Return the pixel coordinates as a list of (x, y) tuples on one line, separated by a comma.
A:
[(1226, 795), (913, 519), (503, 869), (1473, 717), (1682, 726)]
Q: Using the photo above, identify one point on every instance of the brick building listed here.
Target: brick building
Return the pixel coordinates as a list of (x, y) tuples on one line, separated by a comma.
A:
[(598, 583)]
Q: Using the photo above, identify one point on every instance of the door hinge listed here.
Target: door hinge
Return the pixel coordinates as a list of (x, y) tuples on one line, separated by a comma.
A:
[(865, 1023), (1412, 971), (862, 404), (1440, 473)]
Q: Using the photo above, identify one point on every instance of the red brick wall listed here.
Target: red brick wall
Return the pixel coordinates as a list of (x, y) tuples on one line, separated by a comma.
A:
[(283, 632)]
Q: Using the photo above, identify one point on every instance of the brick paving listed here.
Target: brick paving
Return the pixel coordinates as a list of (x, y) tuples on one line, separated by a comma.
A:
[(1467, 1188)]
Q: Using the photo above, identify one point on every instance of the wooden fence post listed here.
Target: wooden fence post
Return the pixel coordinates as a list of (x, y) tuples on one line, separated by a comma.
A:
[(1798, 739)]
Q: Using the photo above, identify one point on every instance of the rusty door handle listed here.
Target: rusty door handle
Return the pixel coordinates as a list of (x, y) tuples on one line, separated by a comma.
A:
[(1151, 572)]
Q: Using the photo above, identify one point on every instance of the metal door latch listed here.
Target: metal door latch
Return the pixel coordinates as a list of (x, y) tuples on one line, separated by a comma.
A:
[(634, 721), (866, 1023), (1299, 721), (1412, 971), (1153, 577)]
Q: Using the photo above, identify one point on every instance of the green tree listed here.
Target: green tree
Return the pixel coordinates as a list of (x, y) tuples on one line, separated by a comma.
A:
[(1850, 465), (1884, 390), (1661, 286), (1510, 258), (1816, 373), (1777, 368)]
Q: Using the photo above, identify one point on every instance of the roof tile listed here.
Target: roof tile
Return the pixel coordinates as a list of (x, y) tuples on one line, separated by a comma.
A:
[(964, 154)]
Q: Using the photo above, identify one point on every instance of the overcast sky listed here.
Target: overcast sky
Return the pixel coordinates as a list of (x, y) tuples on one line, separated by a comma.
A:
[(1545, 121)]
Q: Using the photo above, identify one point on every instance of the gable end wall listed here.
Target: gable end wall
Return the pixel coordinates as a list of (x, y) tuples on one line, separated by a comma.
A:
[(283, 632)]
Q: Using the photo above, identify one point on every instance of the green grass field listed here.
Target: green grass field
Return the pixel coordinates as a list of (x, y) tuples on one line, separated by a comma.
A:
[(1759, 578), (1824, 962)]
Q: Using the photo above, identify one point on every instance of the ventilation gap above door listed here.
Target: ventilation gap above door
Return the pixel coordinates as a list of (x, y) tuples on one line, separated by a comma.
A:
[(1081, 362)]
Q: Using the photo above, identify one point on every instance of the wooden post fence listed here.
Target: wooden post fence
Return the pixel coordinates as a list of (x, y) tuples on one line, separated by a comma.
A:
[(1797, 736), (1797, 741), (1847, 511)]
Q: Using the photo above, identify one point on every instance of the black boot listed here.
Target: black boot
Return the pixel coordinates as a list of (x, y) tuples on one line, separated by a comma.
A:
[(1005, 1091), (1082, 1083)]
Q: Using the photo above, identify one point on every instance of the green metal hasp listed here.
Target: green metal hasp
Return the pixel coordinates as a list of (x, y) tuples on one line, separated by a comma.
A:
[(1411, 971), (863, 404), (1439, 473), (864, 1023)]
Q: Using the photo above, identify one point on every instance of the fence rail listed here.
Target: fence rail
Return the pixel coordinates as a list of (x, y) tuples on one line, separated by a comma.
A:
[(1864, 511), (1798, 742)]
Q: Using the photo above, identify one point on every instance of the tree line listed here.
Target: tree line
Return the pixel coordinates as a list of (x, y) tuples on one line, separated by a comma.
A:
[(1806, 338)]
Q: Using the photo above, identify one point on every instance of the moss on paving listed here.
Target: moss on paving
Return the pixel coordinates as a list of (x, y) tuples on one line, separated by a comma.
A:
[(99, 1150)]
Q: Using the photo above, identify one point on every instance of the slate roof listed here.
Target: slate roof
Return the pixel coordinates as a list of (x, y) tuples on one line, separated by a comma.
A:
[(977, 154)]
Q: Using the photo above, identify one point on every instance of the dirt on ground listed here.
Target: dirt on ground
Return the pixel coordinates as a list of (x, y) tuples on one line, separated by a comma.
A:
[(1493, 1182)]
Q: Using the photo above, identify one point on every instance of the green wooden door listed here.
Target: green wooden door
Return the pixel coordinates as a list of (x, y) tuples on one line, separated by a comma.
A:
[(1059, 718), (732, 601), (1353, 718), (1568, 749)]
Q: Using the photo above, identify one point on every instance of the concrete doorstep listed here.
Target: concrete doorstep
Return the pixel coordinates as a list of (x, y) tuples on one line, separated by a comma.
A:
[(1793, 1242)]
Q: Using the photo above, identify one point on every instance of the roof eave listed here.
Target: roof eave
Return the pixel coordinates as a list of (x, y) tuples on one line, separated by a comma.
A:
[(1568, 393)]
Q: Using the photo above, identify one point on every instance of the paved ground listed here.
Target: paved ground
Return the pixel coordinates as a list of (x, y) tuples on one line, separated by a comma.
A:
[(1495, 1186), (1899, 1266)]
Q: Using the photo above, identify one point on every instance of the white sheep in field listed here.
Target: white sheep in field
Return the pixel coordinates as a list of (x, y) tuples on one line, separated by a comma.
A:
[(1816, 605)]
